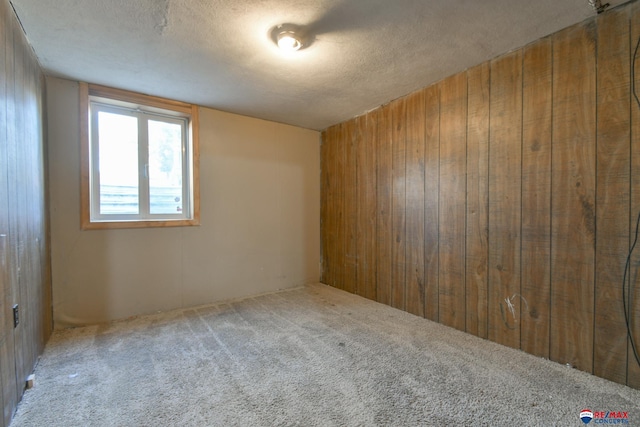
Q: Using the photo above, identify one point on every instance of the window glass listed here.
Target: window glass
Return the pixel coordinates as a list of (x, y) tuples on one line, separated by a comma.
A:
[(165, 168), (139, 160), (118, 164)]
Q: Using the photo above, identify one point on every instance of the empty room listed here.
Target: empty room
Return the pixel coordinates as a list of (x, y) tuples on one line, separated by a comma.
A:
[(319, 213)]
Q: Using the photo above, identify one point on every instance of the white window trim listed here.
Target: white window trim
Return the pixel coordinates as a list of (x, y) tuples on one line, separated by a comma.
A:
[(94, 93)]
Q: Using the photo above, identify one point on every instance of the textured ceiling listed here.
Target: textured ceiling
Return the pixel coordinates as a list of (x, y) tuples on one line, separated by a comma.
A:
[(218, 53)]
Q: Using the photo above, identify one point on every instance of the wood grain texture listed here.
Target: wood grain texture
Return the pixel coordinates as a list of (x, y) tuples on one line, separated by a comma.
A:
[(367, 141), (384, 230), (536, 197), (453, 112), (7, 383), (35, 197), (330, 261), (33, 167), (24, 238), (633, 283), (573, 196), (338, 202), (10, 385), (398, 207), (431, 202), (47, 302), (326, 228), (19, 217), (7, 376), (612, 192), (361, 203), (415, 185), (350, 218), (526, 158), (505, 169), (477, 255)]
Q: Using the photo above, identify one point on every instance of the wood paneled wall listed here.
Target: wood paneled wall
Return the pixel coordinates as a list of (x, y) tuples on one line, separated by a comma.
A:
[(24, 237), (502, 200)]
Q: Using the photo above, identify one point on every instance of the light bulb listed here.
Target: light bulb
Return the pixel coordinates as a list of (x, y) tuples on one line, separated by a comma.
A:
[(290, 37), (287, 41)]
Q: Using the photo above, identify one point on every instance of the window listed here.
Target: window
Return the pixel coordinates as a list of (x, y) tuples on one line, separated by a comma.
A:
[(139, 160)]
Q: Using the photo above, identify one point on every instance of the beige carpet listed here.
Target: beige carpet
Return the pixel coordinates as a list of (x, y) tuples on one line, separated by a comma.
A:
[(312, 356)]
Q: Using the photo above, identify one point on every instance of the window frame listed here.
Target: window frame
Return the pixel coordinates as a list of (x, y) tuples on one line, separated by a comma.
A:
[(126, 99)]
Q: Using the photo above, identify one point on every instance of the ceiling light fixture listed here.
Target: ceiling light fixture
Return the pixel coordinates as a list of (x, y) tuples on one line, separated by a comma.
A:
[(289, 37), (287, 40)]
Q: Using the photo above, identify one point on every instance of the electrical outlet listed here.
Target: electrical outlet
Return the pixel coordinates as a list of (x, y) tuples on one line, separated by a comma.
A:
[(16, 316)]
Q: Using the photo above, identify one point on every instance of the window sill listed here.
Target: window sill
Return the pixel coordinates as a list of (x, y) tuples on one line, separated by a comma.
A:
[(108, 225)]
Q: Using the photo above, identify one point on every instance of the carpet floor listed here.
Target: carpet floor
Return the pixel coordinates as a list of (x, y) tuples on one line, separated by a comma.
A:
[(310, 356)]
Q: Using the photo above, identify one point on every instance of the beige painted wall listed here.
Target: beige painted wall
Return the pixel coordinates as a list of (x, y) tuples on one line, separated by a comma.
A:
[(260, 215)]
